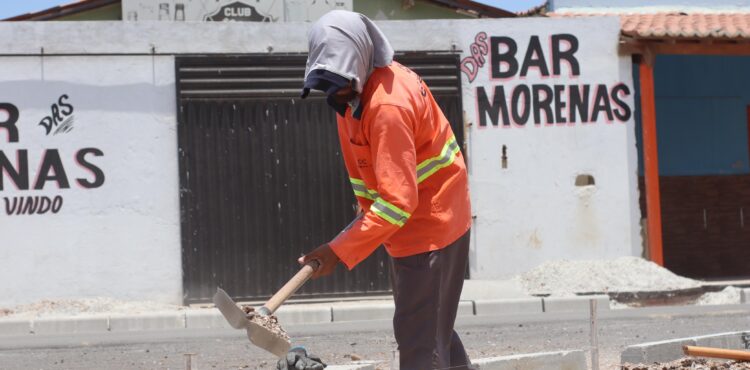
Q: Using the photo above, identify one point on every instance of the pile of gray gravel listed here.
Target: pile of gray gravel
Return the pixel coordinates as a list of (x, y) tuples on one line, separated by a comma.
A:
[(623, 274)]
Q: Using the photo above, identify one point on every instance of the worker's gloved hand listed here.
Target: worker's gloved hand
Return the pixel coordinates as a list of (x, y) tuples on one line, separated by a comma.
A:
[(325, 256), (298, 359)]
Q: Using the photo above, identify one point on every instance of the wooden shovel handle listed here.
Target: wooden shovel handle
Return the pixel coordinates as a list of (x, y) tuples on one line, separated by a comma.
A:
[(730, 354), (289, 288)]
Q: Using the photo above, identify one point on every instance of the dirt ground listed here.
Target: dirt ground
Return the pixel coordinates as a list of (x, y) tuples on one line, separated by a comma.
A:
[(688, 363)]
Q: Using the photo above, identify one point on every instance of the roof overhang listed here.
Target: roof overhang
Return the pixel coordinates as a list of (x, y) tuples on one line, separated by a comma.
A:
[(650, 34), (686, 34), (474, 8), (469, 7), (63, 10)]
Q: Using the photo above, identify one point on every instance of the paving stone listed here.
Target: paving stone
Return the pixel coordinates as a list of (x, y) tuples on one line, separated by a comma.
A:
[(663, 351), (670, 350), (515, 306), (632, 355), (566, 360), (731, 340)]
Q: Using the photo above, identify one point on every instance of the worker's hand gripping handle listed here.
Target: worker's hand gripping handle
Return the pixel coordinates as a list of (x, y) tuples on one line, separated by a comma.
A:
[(289, 288)]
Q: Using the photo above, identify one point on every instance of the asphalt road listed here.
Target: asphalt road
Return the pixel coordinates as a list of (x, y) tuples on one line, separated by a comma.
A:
[(483, 336)]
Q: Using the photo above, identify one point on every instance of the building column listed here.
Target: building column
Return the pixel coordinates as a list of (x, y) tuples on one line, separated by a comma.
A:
[(651, 160)]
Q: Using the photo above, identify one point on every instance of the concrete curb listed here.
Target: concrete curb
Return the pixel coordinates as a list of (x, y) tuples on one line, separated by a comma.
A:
[(75, 325), (305, 314), (567, 360), (205, 319), (466, 308), (315, 313), (480, 298), (375, 310), (575, 303), (16, 327), (150, 321), (670, 350)]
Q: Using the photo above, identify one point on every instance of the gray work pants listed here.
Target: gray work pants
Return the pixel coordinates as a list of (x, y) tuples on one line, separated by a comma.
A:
[(426, 290)]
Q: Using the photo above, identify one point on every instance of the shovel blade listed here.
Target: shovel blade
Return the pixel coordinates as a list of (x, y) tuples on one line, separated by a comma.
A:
[(258, 335), (234, 315), (264, 338)]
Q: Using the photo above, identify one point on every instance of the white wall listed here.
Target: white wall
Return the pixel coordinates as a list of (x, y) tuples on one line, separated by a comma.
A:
[(229, 10), (122, 239), (649, 6), (531, 211)]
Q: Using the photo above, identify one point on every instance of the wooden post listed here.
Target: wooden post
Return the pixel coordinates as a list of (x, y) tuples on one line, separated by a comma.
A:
[(594, 330), (651, 158)]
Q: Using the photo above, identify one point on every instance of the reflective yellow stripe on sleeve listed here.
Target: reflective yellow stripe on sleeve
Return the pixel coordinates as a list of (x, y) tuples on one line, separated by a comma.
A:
[(380, 207), (360, 189), (389, 212), (432, 165)]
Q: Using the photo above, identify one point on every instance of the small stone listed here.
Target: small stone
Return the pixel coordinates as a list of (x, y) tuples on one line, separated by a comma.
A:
[(248, 309)]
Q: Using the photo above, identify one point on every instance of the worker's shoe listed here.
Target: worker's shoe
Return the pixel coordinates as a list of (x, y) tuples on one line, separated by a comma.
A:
[(298, 359)]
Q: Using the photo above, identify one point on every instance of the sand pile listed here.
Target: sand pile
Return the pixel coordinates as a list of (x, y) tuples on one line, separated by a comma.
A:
[(730, 295), (86, 306), (623, 274)]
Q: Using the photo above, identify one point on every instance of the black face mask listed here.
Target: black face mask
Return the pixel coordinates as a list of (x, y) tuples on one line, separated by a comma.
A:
[(338, 107)]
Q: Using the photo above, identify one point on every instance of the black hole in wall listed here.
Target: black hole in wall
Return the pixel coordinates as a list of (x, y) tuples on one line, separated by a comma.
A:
[(504, 157), (585, 180)]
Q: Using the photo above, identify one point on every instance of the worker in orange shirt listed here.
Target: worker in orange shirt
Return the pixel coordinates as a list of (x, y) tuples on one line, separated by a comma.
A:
[(409, 177)]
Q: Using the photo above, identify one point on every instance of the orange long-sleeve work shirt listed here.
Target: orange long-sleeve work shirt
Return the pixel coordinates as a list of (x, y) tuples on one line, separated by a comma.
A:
[(406, 169)]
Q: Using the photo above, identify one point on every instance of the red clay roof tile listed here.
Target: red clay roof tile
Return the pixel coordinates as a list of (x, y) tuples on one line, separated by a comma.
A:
[(681, 25)]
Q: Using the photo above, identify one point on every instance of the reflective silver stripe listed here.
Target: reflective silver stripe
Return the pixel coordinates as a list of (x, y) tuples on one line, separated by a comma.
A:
[(380, 207), (432, 165), (361, 190), (384, 210)]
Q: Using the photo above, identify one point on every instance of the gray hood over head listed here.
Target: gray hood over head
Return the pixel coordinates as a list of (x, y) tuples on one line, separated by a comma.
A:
[(349, 45)]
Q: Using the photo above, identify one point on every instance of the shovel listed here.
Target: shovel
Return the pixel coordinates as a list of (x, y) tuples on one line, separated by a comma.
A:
[(258, 334)]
